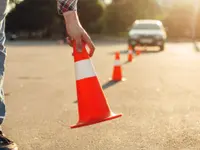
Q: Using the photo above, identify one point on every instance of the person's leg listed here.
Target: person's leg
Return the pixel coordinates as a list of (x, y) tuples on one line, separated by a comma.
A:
[(2, 62), (3, 4), (5, 143)]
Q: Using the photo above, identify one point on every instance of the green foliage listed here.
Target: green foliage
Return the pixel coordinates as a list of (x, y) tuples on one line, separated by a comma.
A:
[(15, 1), (198, 25), (12, 4), (90, 11), (179, 21), (41, 16), (120, 15), (33, 16), (115, 19)]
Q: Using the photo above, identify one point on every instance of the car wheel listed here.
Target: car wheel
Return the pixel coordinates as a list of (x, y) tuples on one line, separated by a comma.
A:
[(133, 47), (162, 47)]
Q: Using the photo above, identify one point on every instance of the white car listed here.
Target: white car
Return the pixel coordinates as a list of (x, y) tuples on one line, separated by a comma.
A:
[(147, 33)]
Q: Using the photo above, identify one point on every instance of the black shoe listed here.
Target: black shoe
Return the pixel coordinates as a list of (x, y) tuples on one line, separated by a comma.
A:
[(6, 144)]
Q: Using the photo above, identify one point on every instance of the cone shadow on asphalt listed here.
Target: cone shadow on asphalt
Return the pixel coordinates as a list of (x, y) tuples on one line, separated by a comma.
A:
[(150, 51), (126, 62), (196, 47), (121, 52), (142, 52), (109, 84)]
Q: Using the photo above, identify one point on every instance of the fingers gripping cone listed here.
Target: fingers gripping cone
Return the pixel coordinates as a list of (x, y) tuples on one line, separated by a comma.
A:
[(92, 105), (117, 71)]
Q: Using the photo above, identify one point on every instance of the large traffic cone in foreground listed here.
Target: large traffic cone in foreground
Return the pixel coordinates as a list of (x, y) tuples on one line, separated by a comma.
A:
[(130, 54), (92, 104), (117, 71)]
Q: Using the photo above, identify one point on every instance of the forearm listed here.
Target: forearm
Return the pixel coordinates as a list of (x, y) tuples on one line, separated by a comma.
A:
[(71, 17), (74, 29), (66, 5)]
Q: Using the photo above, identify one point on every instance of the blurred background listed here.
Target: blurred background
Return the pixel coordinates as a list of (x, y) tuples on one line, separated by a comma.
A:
[(38, 19)]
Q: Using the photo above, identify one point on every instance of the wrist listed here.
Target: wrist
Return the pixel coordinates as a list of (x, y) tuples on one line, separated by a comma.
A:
[(71, 16)]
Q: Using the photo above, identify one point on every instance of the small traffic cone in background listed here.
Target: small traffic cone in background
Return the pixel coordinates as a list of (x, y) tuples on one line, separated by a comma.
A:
[(130, 47), (138, 52), (92, 104), (117, 71), (130, 54)]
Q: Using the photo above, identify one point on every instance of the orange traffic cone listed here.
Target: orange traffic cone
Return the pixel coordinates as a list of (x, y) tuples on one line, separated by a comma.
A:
[(130, 47), (138, 52), (117, 71), (130, 54), (92, 105)]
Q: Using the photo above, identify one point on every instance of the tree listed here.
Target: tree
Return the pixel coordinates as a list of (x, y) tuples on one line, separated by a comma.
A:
[(15, 1), (90, 13), (198, 25), (118, 16), (33, 16), (121, 14), (41, 16), (180, 21)]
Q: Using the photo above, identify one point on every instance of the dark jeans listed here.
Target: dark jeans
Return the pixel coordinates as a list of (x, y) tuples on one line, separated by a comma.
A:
[(3, 4)]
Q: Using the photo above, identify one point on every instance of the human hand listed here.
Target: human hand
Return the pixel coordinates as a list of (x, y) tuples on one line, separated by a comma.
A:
[(77, 33)]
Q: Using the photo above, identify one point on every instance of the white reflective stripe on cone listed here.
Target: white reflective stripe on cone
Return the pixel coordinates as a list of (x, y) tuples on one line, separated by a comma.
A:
[(130, 51), (117, 63), (84, 69)]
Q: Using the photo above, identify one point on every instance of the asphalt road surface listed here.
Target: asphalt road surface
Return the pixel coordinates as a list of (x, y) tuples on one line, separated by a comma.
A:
[(160, 100)]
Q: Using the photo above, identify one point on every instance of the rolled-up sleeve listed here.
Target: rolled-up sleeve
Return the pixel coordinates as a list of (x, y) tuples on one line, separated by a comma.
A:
[(66, 5)]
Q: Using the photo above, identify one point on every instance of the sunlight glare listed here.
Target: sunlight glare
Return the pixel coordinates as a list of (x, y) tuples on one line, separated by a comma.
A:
[(170, 3)]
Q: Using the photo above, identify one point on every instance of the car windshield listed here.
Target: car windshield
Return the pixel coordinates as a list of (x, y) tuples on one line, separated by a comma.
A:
[(145, 26)]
